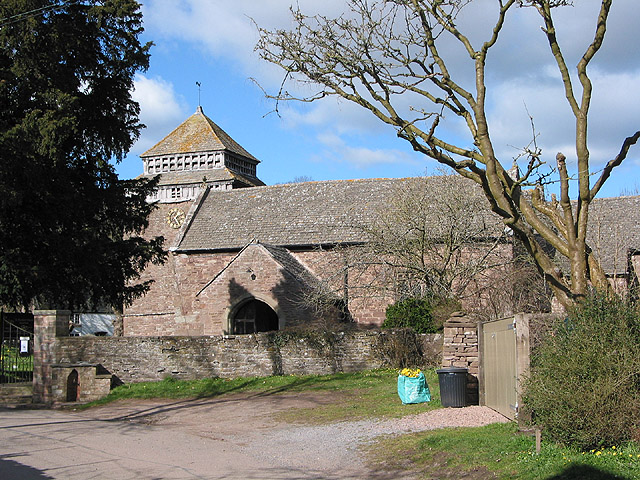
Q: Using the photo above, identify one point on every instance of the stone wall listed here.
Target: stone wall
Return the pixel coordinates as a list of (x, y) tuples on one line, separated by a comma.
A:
[(184, 299), (461, 349), (368, 294), (48, 327), (91, 383), (100, 361), (136, 359)]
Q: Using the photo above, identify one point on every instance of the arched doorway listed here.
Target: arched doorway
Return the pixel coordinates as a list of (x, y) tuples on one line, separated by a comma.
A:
[(254, 316), (73, 392)]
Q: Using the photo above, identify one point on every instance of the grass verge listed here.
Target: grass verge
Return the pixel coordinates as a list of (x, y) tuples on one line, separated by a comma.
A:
[(356, 395), (372, 394), (499, 451), (495, 451)]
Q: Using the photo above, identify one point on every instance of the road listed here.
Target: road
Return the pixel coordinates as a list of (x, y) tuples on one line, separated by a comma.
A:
[(205, 439), (229, 437)]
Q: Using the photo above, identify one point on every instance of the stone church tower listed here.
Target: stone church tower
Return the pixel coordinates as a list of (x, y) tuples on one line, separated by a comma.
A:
[(195, 159), (196, 154)]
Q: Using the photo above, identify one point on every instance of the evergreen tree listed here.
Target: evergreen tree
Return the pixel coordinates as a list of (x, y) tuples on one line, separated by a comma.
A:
[(70, 230)]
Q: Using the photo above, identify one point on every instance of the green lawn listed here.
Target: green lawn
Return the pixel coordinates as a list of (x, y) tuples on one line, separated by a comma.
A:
[(494, 451), (500, 451), (359, 395)]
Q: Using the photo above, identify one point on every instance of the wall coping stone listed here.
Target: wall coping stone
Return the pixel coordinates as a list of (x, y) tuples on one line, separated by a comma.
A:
[(51, 312), (74, 365)]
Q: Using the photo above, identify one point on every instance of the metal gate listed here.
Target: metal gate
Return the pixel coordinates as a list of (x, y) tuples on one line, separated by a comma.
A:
[(505, 360), (16, 347)]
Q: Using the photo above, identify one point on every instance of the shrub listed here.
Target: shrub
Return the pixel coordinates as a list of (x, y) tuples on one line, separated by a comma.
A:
[(415, 313), (584, 385), (400, 349)]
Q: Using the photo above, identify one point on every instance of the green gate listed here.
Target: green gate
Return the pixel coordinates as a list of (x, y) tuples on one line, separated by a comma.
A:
[(16, 347)]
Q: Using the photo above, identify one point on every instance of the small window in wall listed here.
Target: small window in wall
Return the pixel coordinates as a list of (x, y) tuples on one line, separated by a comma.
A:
[(253, 317), (176, 192)]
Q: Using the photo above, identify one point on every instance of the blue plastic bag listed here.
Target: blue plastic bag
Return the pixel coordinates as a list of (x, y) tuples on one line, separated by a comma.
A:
[(413, 389)]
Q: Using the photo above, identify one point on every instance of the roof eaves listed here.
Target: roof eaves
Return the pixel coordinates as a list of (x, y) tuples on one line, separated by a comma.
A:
[(302, 247)]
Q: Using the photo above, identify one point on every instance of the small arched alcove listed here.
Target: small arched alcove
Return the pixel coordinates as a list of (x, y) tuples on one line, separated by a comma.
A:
[(253, 316), (73, 391)]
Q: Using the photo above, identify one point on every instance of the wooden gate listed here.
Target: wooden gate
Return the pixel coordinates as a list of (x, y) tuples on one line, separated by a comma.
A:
[(504, 362)]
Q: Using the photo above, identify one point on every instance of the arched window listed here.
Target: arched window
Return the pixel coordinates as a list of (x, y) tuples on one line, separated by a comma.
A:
[(253, 317)]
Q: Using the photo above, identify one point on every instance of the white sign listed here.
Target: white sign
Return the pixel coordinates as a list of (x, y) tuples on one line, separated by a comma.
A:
[(24, 344)]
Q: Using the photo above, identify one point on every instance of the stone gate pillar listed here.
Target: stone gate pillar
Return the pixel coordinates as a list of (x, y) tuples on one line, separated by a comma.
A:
[(47, 326), (461, 349)]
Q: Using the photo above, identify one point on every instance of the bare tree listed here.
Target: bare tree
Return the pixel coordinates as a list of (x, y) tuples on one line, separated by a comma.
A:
[(630, 191), (438, 248), (419, 246), (387, 50), (297, 179)]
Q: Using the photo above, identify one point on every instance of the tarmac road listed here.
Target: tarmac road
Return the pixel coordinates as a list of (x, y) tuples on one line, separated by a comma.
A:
[(44, 444), (229, 437)]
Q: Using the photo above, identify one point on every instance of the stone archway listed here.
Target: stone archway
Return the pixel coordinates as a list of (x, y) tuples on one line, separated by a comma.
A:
[(73, 391), (254, 316)]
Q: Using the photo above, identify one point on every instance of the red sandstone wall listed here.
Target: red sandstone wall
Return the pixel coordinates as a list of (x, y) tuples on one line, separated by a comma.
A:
[(168, 307), (367, 287), (253, 274), (179, 304)]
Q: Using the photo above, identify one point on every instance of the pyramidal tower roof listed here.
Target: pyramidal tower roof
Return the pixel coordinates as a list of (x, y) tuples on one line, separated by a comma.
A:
[(198, 133)]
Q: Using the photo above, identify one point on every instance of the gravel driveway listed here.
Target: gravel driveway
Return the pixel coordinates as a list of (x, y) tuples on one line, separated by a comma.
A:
[(229, 437)]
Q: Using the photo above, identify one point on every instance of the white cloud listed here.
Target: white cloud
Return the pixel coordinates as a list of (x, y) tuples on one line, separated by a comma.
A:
[(520, 71), (226, 29), (161, 110), (342, 117), (613, 115), (338, 150)]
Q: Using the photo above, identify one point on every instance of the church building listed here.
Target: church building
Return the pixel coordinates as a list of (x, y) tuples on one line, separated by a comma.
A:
[(245, 257)]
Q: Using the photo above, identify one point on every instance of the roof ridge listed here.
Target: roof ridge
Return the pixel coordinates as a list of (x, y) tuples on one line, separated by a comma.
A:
[(363, 180), (327, 182), (197, 133)]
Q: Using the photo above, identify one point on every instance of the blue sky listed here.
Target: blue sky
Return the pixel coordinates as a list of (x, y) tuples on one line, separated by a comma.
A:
[(212, 41)]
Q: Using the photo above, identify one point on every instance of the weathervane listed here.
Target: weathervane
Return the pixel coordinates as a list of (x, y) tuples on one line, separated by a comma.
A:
[(199, 85)]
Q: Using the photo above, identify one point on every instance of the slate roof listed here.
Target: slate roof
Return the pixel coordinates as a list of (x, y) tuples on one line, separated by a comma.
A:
[(198, 133), (334, 212), (614, 229), (292, 265), (212, 175), (299, 214)]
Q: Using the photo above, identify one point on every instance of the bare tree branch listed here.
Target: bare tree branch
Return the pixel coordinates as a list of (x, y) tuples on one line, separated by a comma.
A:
[(388, 52)]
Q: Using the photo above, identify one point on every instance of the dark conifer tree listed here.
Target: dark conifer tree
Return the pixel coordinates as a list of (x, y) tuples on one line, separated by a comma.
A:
[(70, 230)]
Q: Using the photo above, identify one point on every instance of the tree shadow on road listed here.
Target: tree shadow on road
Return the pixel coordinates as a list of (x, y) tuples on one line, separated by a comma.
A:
[(212, 397), (12, 469)]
